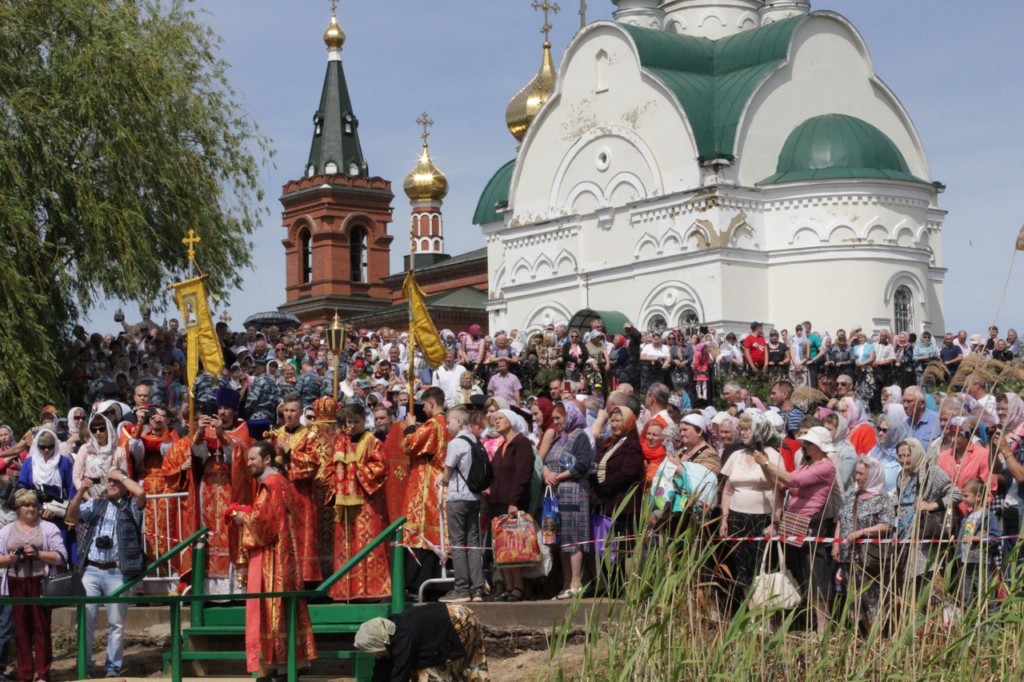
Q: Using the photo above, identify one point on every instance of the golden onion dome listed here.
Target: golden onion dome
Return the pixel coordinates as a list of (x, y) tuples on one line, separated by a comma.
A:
[(425, 182), (523, 108), (334, 37)]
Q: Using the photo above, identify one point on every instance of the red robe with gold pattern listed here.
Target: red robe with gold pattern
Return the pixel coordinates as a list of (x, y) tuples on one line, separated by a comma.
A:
[(311, 448), (355, 483), (398, 472), (426, 448), (223, 479), (268, 535), (160, 522)]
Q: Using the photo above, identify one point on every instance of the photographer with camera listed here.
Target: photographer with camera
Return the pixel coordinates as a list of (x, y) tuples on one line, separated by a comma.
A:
[(29, 547), (111, 553)]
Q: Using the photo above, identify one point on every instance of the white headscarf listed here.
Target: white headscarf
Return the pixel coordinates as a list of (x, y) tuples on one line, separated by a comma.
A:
[(45, 471), (517, 422), (99, 460)]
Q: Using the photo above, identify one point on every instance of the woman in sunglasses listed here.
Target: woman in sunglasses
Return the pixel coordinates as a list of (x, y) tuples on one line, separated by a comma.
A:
[(50, 474), (98, 456)]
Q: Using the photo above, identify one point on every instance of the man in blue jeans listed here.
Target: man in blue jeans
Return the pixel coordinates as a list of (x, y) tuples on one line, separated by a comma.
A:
[(112, 553)]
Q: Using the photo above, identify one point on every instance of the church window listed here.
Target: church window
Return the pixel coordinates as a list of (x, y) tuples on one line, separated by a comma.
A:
[(689, 322), (330, 168), (601, 79), (353, 168), (903, 312), (349, 124), (657, 323), (357, 254), (306, 248)]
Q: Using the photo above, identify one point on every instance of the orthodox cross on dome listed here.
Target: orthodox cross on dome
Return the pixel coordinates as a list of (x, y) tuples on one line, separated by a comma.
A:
[(426, 122), (190, 241), (546, 7), (583, 13), (334, 6)]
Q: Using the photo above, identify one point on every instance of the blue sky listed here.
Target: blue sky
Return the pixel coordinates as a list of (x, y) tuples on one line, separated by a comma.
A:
[(954, 65)]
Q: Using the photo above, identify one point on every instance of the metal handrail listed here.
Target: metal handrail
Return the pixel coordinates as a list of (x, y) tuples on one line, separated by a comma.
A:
[(174, 601), (157, 563)]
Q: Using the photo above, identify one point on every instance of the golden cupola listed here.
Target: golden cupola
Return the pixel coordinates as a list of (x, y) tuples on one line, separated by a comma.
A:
[(334, 37), (425, 182), (523, 108)]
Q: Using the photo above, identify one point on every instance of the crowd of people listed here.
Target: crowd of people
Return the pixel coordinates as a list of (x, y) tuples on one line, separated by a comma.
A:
[(843, 436)]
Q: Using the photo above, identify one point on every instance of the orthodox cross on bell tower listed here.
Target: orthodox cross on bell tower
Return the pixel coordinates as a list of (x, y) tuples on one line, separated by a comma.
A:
[(426, 122), (546, 7), (583, 13)]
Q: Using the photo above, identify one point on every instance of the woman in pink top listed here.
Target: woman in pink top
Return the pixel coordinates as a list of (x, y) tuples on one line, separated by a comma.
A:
[(809, 488), (966, 459)]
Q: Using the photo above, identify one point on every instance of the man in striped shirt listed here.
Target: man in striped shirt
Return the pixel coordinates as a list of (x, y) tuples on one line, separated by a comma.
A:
[(505, 384)]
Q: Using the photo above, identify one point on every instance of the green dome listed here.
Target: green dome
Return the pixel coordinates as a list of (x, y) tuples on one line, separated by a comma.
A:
[(496, 192), (838, 146)]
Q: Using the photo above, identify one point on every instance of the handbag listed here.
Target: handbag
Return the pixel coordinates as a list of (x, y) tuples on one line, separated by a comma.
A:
[(794, 524), (64, 584), (777, 590), (551, 518), (600, 529), (515, 540)]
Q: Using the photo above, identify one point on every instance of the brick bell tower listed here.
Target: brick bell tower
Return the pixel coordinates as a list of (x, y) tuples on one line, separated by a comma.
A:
[(337, 246)]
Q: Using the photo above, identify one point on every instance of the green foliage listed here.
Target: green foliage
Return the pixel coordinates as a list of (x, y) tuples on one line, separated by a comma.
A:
[(118, 133)]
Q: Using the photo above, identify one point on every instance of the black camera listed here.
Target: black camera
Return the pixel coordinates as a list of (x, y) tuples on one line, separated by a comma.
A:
[(207, 409), (104, 542), (20, 553)]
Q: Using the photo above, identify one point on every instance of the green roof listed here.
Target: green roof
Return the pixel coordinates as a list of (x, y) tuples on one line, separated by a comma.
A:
[(714, 79), (463, 297), (496, 192), (839, 146)]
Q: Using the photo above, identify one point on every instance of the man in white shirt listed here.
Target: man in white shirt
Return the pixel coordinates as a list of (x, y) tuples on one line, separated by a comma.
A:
[(448, 376)]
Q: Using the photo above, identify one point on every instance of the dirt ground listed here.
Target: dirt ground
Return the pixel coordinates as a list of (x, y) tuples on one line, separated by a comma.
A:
[(512, 656)]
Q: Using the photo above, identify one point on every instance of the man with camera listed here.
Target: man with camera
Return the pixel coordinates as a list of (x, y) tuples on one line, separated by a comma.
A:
[(111, 553)]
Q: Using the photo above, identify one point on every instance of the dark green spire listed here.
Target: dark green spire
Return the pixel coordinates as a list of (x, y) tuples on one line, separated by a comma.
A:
[(335, 147)]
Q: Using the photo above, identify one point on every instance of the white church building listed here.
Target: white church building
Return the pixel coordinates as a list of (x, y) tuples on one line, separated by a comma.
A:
[(714, 162)]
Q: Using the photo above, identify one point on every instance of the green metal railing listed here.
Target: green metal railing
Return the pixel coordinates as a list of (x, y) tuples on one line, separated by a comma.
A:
[(174, 602)]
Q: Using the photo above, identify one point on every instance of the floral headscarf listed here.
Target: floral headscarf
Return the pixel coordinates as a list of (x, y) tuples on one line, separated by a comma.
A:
[(855, 412), (574, 420)]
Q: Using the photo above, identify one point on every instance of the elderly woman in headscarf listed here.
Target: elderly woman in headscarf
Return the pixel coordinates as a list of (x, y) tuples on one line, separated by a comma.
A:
[(925, 351), (98, 456), (548, 353), (892, 429), (436, 642), (749, 497), (491, 439), (892, 395), (618, 481), (867, 513), (598, 363), (861, 433), (924, 499), (846, 456), (513, 464), (50, 473), (566, 468)]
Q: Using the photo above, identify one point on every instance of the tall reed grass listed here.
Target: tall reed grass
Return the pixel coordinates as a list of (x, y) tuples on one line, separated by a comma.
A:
[(673, 624)]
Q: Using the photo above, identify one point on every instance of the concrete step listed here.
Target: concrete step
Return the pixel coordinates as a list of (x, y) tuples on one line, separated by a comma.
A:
[(529, 615)]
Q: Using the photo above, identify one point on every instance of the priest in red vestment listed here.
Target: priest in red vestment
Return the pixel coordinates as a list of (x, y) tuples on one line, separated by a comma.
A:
[(355, 481), (211, 467), (301, 452), (148, 443), (267, 535), (388, 431), (425, 446)]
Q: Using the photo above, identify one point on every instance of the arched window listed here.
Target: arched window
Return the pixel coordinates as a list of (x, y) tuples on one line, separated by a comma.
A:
[(357, 254), (306, 249), (689, 322), (601, 72), (657, 323), (903, 309)]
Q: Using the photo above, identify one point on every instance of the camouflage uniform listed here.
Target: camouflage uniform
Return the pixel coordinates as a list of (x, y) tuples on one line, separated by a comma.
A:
[(261, 401), (309, 387)]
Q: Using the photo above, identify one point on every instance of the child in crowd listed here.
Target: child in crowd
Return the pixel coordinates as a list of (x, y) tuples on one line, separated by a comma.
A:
[(979, 544)]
